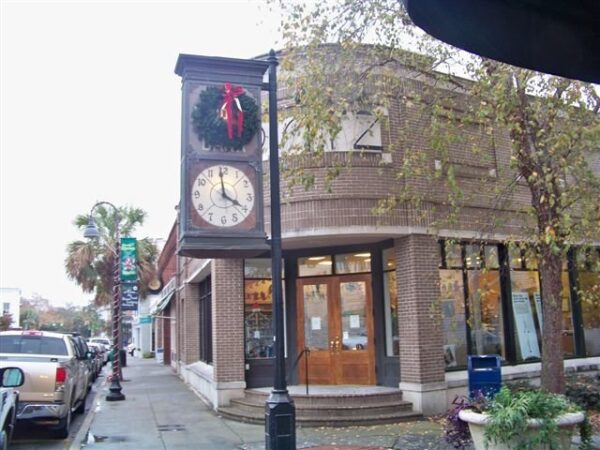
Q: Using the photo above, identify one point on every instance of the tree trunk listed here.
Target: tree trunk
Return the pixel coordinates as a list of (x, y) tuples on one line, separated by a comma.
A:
[(553, 374)]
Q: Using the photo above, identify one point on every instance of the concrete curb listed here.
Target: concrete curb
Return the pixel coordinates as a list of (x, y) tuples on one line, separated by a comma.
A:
[(77, 442)]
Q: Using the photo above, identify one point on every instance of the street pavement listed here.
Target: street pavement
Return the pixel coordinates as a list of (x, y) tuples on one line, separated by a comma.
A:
[(161, 412)]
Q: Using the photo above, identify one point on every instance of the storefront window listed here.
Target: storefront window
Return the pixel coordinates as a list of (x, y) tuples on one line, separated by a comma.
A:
[(392, 342), (589, 296), (453, 317), (567, 317), (527, 310), (314, 266), (258, 309), (487, 335)]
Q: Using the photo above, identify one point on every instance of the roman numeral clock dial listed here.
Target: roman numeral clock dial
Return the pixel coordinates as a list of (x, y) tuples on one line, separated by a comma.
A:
[(223, 196)]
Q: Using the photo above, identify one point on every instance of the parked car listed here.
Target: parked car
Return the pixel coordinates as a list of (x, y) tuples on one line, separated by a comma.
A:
[(83, 349), (102, 340), (101, 349), (100, 356), (56, 376), (10, 378)]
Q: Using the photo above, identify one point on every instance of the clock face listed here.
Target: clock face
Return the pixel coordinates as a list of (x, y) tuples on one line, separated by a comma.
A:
[(223, 195)]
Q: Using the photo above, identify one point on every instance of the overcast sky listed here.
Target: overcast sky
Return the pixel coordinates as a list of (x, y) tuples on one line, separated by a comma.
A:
[(90, 111)]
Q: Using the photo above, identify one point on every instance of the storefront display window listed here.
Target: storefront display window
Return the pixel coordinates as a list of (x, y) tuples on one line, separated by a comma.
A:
[(567, 317), (258, 309), (453, 317), (392, 342), (485, 313), (589, 297), (527, 311)]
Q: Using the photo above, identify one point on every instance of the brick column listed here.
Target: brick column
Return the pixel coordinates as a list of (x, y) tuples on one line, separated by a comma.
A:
[(422, 375), (191, 328), (228, 329)]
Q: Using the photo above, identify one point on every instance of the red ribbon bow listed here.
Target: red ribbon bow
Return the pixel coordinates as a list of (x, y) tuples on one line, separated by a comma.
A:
[(230, 96)]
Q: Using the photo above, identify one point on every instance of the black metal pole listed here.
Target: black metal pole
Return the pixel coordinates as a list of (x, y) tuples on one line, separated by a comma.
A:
[(280, 412)]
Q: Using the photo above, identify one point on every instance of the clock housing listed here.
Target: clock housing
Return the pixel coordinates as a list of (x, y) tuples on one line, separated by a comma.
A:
[(221, 203)]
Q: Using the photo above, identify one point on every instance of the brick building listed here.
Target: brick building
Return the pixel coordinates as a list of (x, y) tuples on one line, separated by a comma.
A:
[(378, 300)]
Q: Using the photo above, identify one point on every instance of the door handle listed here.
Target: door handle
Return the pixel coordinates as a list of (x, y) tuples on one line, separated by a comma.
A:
[(337, 347)]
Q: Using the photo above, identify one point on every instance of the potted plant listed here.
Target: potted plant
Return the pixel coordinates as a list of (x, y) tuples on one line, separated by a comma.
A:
[(517, 420)]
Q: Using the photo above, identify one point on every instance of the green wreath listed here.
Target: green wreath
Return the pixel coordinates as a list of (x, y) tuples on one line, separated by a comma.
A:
[(212, 128)]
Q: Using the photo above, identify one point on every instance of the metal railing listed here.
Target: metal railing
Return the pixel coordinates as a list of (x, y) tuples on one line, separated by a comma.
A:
[(306, 353)]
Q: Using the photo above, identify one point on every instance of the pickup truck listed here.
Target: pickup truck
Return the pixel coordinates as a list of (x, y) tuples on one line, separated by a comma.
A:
[(56, 376)]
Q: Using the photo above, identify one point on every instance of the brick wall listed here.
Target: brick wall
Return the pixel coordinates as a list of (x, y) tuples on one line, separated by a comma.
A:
[(228, 319), (190, 351), (419, 326)]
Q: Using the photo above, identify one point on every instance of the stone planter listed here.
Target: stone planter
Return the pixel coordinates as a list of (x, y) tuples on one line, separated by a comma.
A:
[(477, 422)]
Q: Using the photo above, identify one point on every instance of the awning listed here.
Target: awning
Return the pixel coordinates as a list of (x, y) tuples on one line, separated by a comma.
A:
[(560, 37)]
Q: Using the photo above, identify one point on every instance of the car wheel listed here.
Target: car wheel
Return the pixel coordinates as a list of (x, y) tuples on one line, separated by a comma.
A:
[(64, 426), (3, 440), (81, 408)]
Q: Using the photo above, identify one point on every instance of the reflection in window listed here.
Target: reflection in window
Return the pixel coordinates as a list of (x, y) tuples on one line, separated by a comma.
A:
[(453, 255), (486, 320), (453, 318), (316, 317), (353, 263), (353, 304), (314, 265)]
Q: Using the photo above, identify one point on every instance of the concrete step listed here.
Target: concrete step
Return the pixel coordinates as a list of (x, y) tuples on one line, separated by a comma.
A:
[(344, 408), (331, 421), (328, 410)]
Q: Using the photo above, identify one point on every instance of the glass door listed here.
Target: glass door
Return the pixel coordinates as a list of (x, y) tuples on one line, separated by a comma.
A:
[(335, 324)]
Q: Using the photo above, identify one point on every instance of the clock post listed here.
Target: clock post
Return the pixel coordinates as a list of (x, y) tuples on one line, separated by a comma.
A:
[(221, 206)]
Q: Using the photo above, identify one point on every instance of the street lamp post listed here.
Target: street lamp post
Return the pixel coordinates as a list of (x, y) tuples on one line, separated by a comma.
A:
[(280, 411), (91, 231)]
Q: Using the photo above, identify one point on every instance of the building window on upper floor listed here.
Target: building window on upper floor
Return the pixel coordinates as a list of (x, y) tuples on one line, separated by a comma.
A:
[(359, 131), (589, 297), (5, 308), (390, 298), (258, 309)]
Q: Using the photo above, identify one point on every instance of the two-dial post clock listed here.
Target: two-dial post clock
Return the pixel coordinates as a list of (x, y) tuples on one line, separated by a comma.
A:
[(221, 206)]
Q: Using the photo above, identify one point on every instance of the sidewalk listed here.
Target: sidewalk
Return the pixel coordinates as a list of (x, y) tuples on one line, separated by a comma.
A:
[(160, 412)]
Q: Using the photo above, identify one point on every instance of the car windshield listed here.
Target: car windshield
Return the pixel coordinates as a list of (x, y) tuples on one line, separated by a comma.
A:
[(34, 345)]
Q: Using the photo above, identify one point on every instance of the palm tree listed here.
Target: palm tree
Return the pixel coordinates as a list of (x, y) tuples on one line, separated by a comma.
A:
[(91, 263)]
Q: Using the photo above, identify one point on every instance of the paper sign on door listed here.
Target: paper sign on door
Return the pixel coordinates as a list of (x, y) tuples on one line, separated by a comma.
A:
[(315, 323)]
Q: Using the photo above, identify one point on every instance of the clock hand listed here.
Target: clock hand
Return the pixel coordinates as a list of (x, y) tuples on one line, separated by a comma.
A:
[(222, 183), (232, 200)]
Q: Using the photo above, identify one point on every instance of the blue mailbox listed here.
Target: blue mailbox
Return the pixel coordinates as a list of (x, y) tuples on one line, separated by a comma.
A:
[(485, 374)]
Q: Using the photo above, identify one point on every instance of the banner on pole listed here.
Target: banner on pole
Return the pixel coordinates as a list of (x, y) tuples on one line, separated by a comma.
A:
[(128, 262), (129, 296)]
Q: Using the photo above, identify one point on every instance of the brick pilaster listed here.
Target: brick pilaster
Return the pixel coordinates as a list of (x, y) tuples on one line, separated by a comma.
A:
[(421, 340), (190, 323), (228, 320)]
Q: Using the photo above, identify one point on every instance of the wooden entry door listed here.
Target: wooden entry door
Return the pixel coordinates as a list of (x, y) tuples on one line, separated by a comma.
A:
[(335, 323)]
